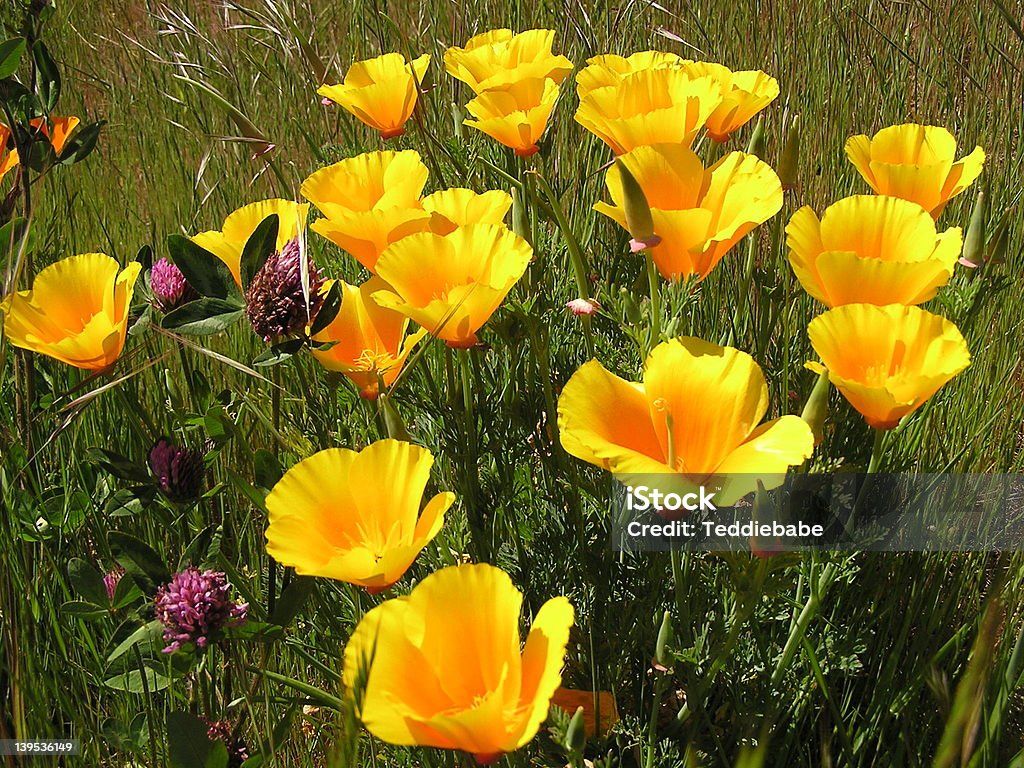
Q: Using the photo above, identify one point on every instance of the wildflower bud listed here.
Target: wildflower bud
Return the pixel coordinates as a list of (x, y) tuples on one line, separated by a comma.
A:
[(790, 156), (816, 409), (275, 302), (638, 213), (195, 607), (221, 730), (1000, 240), (974, 241), (170, 288), (662, 657), (632, 309), (110, 581), (179, 472), (583, 306), (575, 734), (757, 140), (393, 421), (460, 132)]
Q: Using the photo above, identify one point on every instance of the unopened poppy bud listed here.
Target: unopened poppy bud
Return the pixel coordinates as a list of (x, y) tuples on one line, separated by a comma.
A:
[(638, 213), (974, 241), (757, 140), (816, 409), (457, 117), (393, 421), (520, 217), (632, 309), (790, 160), (575, 734), (662, 657)]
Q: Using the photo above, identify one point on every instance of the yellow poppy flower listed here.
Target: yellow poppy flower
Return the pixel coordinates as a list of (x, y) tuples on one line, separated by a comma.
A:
[(453, 208), (698, 214), (650, 106), (381, 92), (871, 250), (745, 94), (8, 154), (57, 130), (498, 58), (75, 312), (452, 284), (571, 699), (694, 416), (355, 516), (370, 201), (370, 342), (476, 688), (228, 243), (915, 162), (517, 115), (887, 361), (609, 69)]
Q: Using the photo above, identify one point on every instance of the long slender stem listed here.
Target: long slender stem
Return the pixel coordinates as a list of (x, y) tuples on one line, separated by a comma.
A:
[(655, 290), (473, 514)]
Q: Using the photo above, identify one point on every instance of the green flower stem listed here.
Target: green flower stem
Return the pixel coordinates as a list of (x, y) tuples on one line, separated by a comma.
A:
[(653, 281), (577, 258), (877, 453), (472, 460)]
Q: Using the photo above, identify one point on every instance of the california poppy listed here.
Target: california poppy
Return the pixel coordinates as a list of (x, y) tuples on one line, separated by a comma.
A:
[(698, 214), (744, 93), (228, 243), (499, 58), (871, 249), (458, 207), (610, 68), (517, 115), (369, 201), (650, 106), (452, 284), (370, 344), (695, 416), (915, 162), (476, 688), (381, 92), (887, 361), (355, 515), (75, 312)]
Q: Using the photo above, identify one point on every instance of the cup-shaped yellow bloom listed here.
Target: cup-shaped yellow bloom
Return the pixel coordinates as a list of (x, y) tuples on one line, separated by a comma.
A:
[(698, 214), (744, 95), (452, 284), (516, 115), (453, 208), (370, 201), (695, 414), (887, 361), (871, 250), (8, 154), (75, 312), (610, 68), (650, 106), (355, 516), (497, 59), (915, 162), (445, 667), (381, 92), (228, 243), (56, 129), (370, 345)]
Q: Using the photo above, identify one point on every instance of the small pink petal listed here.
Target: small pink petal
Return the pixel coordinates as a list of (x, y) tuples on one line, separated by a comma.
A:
[(966, 263), (326, 102), (583, 306), (635, 246)]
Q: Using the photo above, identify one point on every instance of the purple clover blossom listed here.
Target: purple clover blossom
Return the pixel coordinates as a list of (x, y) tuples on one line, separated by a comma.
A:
[(110, 581), (221, 730), (170, 288), (179, 472), (195, 607), (274, 301)]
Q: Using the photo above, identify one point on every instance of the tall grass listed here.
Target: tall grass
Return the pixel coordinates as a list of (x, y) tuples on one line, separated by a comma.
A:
[(821, 659)]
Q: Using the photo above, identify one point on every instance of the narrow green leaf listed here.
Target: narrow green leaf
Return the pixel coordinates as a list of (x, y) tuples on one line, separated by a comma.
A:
[(278, 353), (203, 317), (261, 243), (131, 681), (11, 52), (47, 77), (87, 581), (328, 310), (81, 144), (205, 272), (139, 559), (149, 636)]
